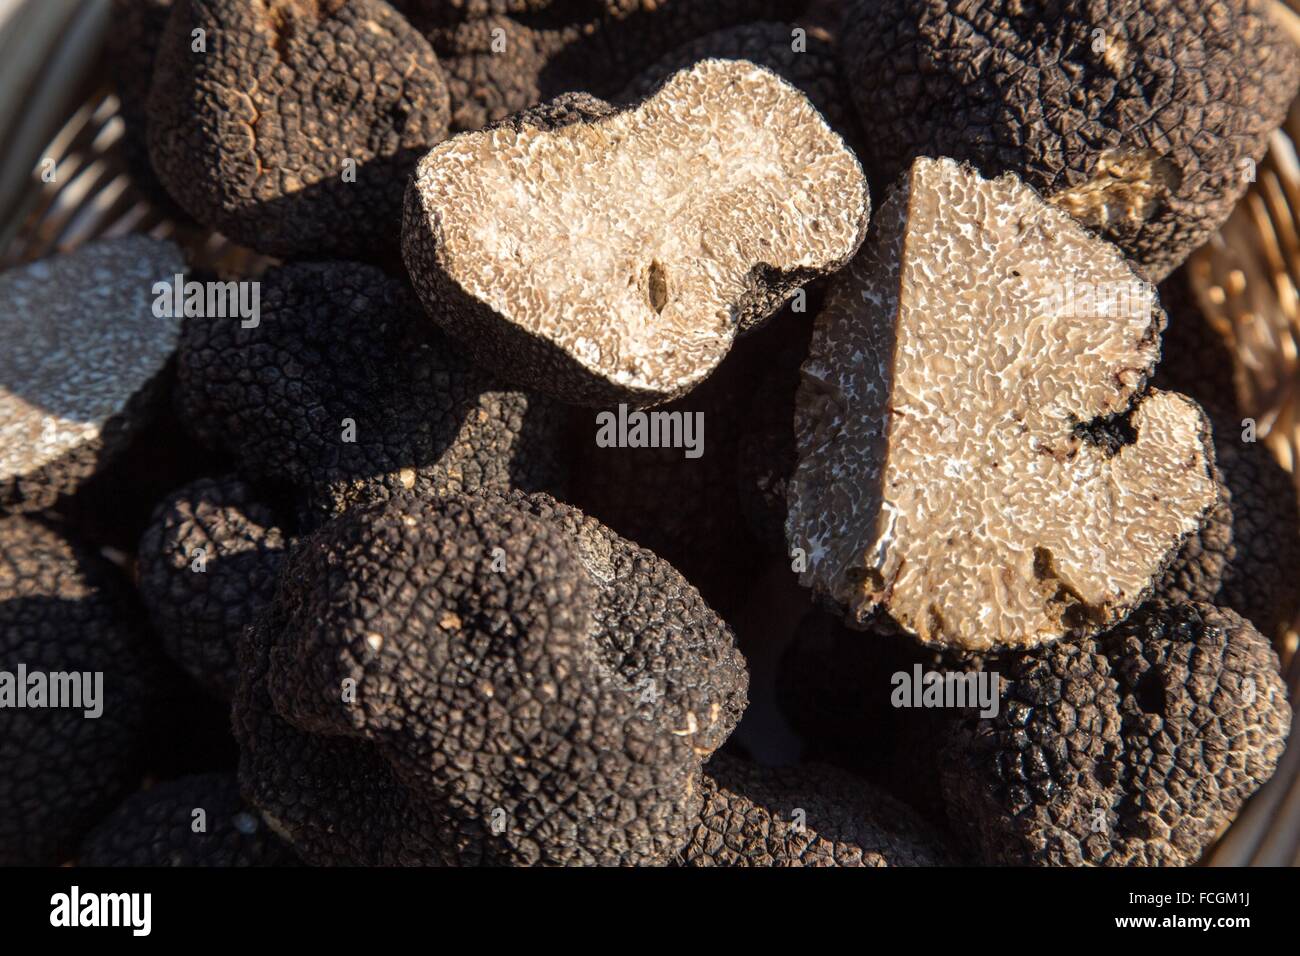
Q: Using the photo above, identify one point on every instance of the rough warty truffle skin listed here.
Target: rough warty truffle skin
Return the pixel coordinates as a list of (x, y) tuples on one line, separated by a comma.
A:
[(1134, 748), (220, 526), (1143, 120), (750, 819), (342, 342), (573, 284), (84, 363), (132, 45), (977, 456), (156, 827), (1245, 555), (553, 711), (64, 609), (254, 136)]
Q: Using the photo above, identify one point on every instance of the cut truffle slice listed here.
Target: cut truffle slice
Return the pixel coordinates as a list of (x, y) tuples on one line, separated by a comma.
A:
[(802, 56), (345, 393), (977, 457), (811, 815), (473, 680), (295, 129), (1134, 748), (208, 566), (84, 363), (78, 692), (653, 236), (1107, 108), (194, 821)]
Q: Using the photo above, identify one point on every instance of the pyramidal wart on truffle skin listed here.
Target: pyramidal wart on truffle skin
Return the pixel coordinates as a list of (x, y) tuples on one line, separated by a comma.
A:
[(697, 214)]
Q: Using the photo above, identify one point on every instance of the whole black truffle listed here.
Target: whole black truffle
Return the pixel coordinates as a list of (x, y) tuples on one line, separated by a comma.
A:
[(70, 632), (1142, 120), (482, 680), (85, 366), (811, 815), (295, 127), (194, 821), (1133, 748), (207, 566), (344, 392)]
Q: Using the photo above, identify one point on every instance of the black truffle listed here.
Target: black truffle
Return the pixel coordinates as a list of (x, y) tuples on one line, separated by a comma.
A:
[(1144, 121), (661, 232), (70, 631), (812, 815), (194, 821), (295, 128), (208, 565), (133, 44), (482, 680), (346, 393), (1133, 748), (85, 366)]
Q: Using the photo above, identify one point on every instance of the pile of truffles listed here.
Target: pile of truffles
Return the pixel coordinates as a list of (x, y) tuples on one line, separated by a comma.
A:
[(660, 432)]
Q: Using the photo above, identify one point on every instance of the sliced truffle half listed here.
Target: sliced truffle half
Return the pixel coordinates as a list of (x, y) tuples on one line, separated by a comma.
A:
[(603, 255), (977, 456), (80, 370)]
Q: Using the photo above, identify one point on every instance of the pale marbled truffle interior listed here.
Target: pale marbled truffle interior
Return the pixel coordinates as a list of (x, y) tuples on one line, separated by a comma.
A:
[(941, 472), (80, 338), (628, 241)]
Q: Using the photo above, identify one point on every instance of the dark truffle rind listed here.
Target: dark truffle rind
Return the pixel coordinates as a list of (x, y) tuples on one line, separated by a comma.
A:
[(340, 343), (1106, 107), (64, 610), (1133, 748), (157, 827), (133, 44), (811, 815), (208, 565), (254, 136), (1245, 555), (526, 687)]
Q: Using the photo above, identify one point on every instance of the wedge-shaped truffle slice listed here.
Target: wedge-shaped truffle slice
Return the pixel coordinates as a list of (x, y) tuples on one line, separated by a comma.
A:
[(609, 256), (207, 566), (976, 456), (482, 680), (82, 364), (812, 815), (199, 820), (1133, 748), (78, 692), (295, 126)]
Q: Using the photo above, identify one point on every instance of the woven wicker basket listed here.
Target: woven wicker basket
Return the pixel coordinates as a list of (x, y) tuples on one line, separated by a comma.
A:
[(56, 104)]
